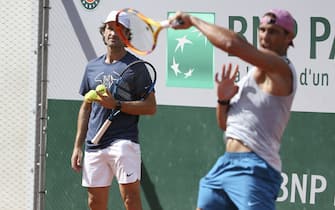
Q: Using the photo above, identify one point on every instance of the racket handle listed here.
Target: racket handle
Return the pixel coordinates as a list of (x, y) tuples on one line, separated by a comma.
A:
[(101, 131), (165, 24)]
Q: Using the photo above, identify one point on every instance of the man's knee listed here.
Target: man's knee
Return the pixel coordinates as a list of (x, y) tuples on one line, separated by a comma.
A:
[(97, 198), (131, 196), (94, 203)]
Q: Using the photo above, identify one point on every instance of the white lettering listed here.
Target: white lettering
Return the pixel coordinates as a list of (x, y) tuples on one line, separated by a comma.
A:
[(296, 185), (315, 189), (302, 189), (283, 188)]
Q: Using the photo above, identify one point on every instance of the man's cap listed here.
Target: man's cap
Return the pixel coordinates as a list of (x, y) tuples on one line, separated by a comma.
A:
[(122, 18), (282, 18)]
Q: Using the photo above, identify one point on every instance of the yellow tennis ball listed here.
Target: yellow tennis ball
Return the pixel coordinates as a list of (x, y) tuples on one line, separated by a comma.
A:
[(101, 89), (91, 96)]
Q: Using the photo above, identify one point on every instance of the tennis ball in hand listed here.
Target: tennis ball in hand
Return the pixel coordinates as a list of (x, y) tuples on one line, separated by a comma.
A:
[(91, 96), (101, 89)]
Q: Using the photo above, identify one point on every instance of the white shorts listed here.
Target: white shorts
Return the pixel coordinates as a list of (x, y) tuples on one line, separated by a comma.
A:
[(121, 159)]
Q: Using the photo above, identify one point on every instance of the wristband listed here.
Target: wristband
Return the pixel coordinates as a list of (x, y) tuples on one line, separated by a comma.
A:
[(223, 102), (118, 105)]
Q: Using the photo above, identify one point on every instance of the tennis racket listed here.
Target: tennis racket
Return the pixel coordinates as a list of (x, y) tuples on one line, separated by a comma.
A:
[(124, 89), (144, 31)]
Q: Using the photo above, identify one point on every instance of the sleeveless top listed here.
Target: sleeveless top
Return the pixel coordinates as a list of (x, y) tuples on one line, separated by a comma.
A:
[(259, 119)]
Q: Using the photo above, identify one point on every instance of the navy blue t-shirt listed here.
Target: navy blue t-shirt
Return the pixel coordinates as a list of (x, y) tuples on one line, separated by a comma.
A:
[(124, 126)]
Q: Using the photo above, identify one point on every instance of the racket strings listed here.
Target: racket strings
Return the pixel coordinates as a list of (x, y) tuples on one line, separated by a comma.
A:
[(142, 33), (153, 75), (125, 89)]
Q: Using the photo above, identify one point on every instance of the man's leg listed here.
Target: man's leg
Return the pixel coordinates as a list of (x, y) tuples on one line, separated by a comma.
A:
[(214, 199), (130, 194), (98, 198)]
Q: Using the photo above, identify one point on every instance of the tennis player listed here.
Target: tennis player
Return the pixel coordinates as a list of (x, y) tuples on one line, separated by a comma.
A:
[(118, 152), (253, 114)]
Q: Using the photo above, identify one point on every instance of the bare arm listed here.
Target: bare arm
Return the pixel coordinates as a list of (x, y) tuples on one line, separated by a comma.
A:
[(221, 115), (271, 65), (231, 42), (140, 107), (82, 125)]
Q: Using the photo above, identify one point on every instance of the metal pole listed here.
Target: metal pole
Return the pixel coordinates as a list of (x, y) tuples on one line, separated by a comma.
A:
[(41, 107)]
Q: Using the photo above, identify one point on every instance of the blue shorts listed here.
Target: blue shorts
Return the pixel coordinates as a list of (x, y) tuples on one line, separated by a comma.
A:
[(239, 181)]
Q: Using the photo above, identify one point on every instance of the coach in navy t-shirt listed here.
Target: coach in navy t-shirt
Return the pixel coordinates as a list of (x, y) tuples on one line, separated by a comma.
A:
[(118, 152)]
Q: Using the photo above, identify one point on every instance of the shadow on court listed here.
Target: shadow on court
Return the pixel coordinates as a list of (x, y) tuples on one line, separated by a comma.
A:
[(149, 190)]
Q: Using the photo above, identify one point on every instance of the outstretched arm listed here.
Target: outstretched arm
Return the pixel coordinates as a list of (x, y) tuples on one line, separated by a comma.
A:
[(271, 66), (220, 37)]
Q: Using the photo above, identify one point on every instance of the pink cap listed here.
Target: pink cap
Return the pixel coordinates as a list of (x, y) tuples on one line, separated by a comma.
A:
[(282, 18)]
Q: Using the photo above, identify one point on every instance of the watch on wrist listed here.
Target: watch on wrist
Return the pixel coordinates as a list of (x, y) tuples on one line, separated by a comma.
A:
[(224, 102), (118, 105)]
